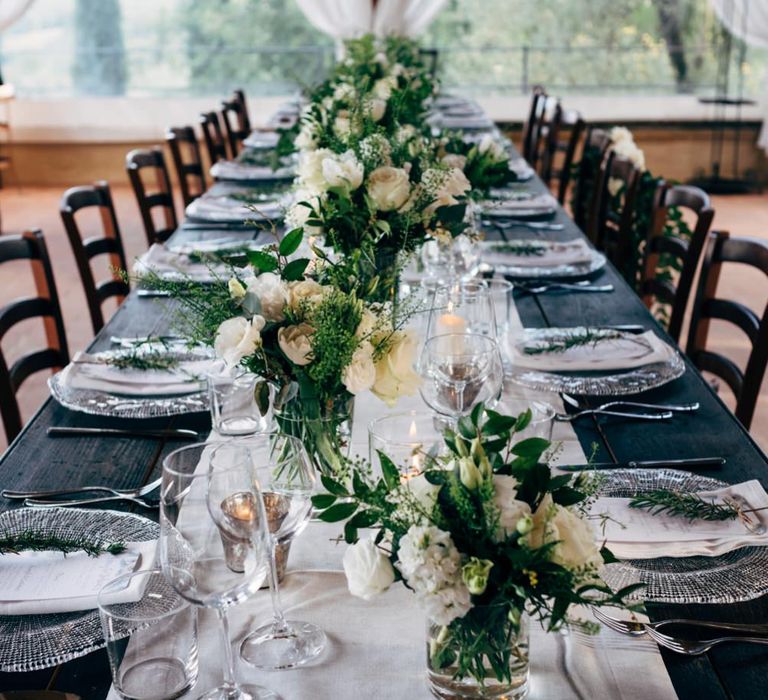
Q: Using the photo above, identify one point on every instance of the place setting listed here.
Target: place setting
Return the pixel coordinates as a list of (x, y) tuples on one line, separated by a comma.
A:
[(224, 203), (254, 165)]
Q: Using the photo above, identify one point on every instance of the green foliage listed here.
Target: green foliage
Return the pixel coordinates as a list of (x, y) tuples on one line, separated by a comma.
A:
[(31, 540)]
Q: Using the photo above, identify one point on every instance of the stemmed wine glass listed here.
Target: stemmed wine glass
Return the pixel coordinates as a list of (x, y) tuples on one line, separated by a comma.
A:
[(214, 543), (460, 370), (287, 480)]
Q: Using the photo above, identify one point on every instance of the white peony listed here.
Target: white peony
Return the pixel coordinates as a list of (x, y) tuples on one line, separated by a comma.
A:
[(343, 170), (377, 108), (305, 293), (389, 187), (510, 509), (272, 293), (395, 376), (360, 374), (237, 338), (490, 145), (295, 343), (368, 570)]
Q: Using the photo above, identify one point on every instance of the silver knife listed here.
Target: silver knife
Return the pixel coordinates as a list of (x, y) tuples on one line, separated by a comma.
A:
[(177, 433), (695, 464)]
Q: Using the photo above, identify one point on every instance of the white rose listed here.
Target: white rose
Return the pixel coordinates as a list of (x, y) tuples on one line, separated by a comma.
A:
[(305, 292), (454, 160), (342, 127), (236, 289), (383, 87), (307, 138), (630, 151), (310, 170), (389, 187), (620, 134), (577, 548), (510, 509), (456, 183), (272, 293), (381, 59), (343, 92), (490, 145), (405, 132), (395, 375), (297, 215), (378, 108), (368, 324), (344, 170), (295, 343), (360, 374), (237, 338), (368, 570)]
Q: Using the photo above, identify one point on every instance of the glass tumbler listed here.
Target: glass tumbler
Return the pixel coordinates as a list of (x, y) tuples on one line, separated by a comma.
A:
[(234, 410), (409, 439), (151, 636)]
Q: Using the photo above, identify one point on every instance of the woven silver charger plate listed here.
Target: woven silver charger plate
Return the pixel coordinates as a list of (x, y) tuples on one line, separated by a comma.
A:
[(581, 269), (730, 578), (32, 642), (102, 403), (613, 383)]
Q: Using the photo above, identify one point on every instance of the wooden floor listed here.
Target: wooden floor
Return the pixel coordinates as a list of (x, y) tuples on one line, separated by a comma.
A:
[(38, 207)]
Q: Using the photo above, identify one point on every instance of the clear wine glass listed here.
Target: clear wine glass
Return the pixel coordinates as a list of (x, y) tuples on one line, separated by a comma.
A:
[(460, 370), (287, 479), (214, 544)]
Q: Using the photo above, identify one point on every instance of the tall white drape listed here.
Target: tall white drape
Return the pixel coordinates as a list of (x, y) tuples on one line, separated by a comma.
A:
[(346, 19), (11, 11), (748, 20)]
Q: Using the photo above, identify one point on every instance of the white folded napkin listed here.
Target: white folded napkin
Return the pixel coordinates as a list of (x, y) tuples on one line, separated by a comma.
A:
[(262, 139), (521, 168), (224, 208), (542, 253), (232, 170), (626, 352), (635, 533), (538, 205), (187, 378), (37, 583)]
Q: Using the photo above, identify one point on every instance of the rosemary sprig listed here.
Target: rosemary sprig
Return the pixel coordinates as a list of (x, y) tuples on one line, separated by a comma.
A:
[(566, 342), (146, 360), (29, 540), (686, 505), (522, 249)]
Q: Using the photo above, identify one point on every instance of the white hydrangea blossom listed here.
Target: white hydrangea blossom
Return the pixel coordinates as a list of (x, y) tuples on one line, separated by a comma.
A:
[(431, 564)]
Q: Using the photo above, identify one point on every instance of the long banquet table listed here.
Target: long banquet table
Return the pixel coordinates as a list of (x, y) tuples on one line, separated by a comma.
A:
[(35, 460)]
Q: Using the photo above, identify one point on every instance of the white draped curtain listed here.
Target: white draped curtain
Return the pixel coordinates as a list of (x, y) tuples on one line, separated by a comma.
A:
[(748, 20), (347, 19), (11, 11)]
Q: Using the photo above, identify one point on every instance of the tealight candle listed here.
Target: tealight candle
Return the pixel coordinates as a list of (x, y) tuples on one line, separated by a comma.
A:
[(240, 511), (456, 326)]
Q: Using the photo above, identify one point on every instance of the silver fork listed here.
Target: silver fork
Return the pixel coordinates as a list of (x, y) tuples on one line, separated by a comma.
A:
[(634, 628), (682, 408), (40, 503), (568, 417), (560, 286), (690, 647), (120, 493)]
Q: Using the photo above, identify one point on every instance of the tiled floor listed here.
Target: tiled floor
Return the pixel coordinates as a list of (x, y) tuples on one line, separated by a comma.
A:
[(38, 207)]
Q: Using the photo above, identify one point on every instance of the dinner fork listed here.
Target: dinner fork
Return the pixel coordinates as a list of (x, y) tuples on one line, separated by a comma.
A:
[(76, 502), (692, 647), (563, 287), (635, 628), (115, 493), (569, 417), (683, 408)]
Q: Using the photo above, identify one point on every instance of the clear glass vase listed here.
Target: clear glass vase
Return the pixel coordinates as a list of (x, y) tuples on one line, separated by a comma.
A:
[(324, 429), (481, 655)]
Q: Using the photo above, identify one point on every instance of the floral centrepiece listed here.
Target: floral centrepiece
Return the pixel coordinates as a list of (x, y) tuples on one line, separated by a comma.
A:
[(485, 536), (316, 344)]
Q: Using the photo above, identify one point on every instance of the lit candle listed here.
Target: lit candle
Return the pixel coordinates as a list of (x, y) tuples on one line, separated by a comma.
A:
[(457, 327), (240, 511)]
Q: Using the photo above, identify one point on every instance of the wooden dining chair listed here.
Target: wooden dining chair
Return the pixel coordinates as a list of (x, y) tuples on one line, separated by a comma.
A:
[(532, 127), (29, 246), (596, 144), (95, 197), (213, 136), (662, 248), (721, 248), (139, 164), (563, 136), (237, 124), (185, 152), (612, 213)]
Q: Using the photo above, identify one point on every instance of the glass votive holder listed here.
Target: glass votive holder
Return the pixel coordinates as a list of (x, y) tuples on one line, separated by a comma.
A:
[(408, 439), (501, 297), (234, 410), (542, 416), (151, 636)]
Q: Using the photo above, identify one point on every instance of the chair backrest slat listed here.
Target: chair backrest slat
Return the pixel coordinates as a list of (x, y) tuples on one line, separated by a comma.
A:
[(159, 197), (237, 123), (108, 243), (720, 249), (596, 143), (213, 137), (30, 246), (189, 170)]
